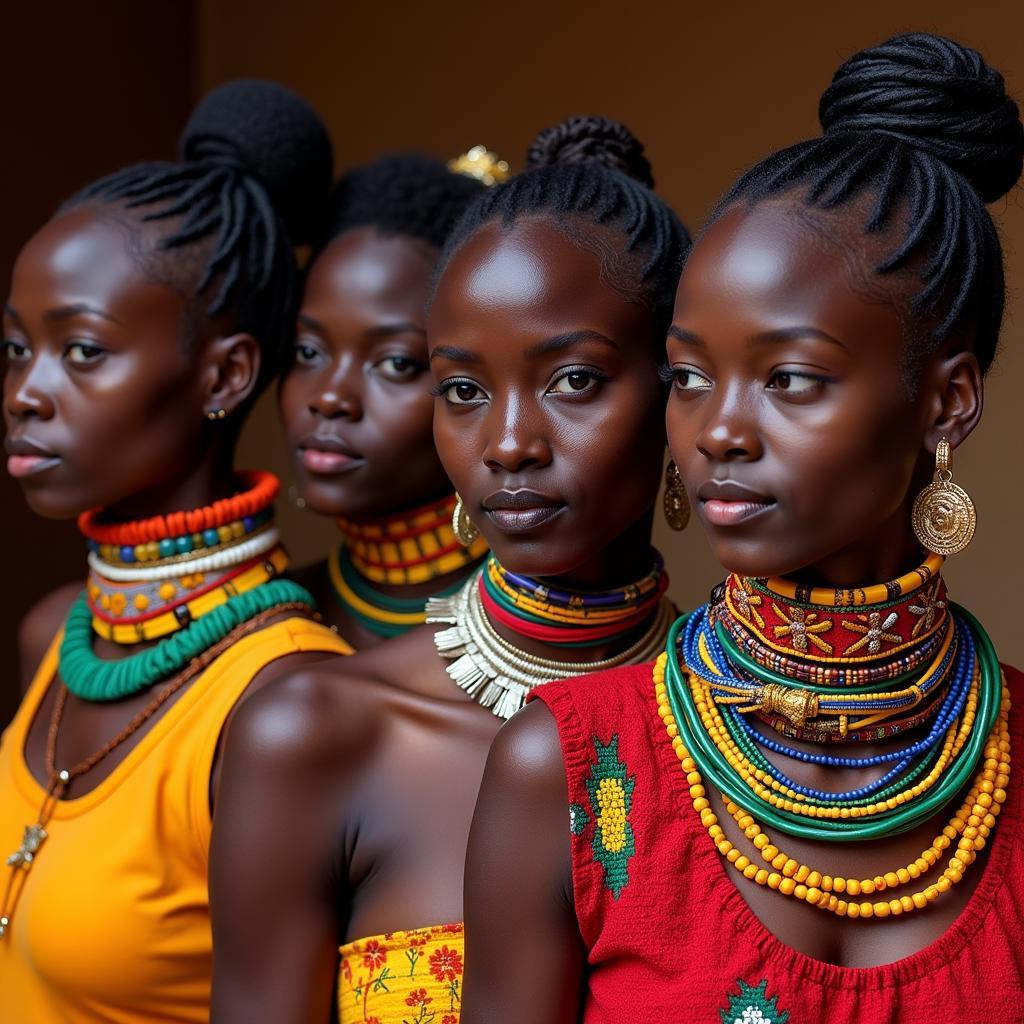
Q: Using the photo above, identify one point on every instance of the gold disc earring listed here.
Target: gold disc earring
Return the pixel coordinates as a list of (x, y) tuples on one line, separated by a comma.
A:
[(462, 526), (943, 515), (675, 502)]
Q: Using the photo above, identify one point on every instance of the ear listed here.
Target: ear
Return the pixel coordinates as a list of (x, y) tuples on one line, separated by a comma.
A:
[(232, 370), (958, 400)]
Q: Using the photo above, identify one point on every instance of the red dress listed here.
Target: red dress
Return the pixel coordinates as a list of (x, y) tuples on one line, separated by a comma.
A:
[(667, 933)]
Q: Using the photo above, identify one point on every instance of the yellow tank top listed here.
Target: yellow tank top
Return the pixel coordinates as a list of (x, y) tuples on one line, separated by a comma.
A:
[(412, 977), (113, 921)]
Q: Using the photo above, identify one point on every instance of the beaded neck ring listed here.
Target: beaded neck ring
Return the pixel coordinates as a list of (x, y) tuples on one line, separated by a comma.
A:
[(498, 674), (404, 550), (843, 666)]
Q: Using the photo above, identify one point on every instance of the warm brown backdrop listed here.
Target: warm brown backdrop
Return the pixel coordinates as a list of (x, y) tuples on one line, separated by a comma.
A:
[(709, 88)]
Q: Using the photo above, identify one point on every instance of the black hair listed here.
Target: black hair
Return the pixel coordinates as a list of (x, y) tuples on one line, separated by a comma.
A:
[(253, 180), (402, 194), (592, 169), (923, 129)]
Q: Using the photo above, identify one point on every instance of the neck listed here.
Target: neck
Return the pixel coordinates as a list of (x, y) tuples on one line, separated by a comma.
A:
[(193, 486)]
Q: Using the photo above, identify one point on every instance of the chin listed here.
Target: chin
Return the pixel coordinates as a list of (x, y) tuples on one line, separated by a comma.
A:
[(533, 554), (49, 503), (756, 558)]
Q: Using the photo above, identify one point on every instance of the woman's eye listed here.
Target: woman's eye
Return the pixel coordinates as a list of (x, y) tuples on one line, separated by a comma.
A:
[(575, 382), (460, 392), (14, 351), (686, 379), (795, 383), (305, 353), (400, 367), (81, 353)]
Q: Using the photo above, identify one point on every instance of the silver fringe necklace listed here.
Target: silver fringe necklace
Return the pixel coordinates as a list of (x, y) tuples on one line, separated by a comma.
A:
[(499, 675)]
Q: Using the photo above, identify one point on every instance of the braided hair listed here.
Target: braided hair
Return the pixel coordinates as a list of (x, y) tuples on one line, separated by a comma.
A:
[(401, 194), (923, 130), (252, 181), (592, 171)]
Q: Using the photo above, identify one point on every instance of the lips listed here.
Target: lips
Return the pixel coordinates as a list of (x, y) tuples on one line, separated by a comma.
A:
[(520, 511), (328, 455), (26, 457), (730, 503)]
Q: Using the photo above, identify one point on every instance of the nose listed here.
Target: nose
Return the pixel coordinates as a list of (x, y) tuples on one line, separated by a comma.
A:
[(730, 430), (517, 438), (341, 395), (28, 391)]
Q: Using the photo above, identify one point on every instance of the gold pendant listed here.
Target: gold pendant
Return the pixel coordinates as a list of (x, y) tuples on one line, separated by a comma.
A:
[(25, 855)]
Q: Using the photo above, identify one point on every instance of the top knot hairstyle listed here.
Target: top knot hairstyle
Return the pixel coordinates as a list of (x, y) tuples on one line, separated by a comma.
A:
[(593, 169), (402, 194), (924, 127), (253, 180)]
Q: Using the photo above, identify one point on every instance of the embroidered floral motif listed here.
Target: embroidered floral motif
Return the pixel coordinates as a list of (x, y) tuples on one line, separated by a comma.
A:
[(802, 628), (373, 988), (578, 818), (747, 601), (752, 1006), (928, 608), (873, 631), (611, 799)]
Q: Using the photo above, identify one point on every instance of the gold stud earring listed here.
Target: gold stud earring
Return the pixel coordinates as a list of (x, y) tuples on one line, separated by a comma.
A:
[(462, 526), (675, 502), (216, 414), (943, 515)]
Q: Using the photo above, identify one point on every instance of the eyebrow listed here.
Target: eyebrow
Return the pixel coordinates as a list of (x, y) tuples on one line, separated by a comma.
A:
[(796, 334), (782, 334), (554, 344), (77, 309), (382, 331)]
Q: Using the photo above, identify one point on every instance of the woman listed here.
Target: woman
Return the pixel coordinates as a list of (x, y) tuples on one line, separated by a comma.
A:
[(795, 814), (142, 322), (356, 400), (544, 332)]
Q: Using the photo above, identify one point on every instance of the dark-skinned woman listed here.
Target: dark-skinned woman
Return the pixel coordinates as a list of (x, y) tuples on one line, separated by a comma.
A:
[(544, 330), (804, 810), (141, 323), (356, 400)]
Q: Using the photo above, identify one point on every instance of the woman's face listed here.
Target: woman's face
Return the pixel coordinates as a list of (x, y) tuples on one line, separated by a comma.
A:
[(103, 398), (549, 409), (789, 417), (356, 400)]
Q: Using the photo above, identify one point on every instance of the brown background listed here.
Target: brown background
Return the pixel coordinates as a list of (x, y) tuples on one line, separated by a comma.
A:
[(709, 88)]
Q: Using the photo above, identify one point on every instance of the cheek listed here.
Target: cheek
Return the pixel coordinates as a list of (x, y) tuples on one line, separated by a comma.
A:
[(293, 398)]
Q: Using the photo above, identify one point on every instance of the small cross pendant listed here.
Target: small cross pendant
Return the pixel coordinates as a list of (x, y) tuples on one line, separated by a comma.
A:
[(30, 843)]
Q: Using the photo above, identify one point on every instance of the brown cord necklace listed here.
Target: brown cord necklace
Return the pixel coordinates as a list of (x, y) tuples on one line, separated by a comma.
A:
[(21, 861)]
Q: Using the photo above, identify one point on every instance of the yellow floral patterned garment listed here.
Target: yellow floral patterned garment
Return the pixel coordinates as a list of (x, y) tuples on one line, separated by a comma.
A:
[(412, 977)]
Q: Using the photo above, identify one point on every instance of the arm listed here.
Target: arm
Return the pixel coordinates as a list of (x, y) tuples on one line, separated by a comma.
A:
[(275, 850), (524, 955)]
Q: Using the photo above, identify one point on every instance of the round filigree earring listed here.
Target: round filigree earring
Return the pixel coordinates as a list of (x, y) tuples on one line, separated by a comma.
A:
[(943, 516)]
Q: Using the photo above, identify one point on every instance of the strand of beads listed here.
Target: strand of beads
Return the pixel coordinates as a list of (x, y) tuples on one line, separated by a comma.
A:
[(845, 816), (970, 828), (409, 548)]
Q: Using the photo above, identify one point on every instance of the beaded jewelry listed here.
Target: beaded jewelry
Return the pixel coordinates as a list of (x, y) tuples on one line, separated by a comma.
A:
[(405, 550), (498, 674)]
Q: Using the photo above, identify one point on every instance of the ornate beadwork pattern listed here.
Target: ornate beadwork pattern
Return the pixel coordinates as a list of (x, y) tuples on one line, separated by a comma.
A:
[(752, 1006), (611, 801)]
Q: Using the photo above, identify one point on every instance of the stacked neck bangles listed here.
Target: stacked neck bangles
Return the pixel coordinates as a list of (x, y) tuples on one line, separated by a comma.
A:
[(498, 674), (185, 580), (900, 657), (404, 550)]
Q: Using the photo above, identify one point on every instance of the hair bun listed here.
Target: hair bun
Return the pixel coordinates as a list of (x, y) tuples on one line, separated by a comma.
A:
[(274, 135), (938, 96), (601, 139)]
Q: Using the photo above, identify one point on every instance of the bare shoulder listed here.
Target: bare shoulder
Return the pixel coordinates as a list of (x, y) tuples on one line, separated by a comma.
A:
[(526, 755), (40, 625)]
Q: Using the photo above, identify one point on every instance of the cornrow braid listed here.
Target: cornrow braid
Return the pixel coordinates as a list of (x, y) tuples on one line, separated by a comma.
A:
[(924, 129), (254, 179), (592, 170)]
